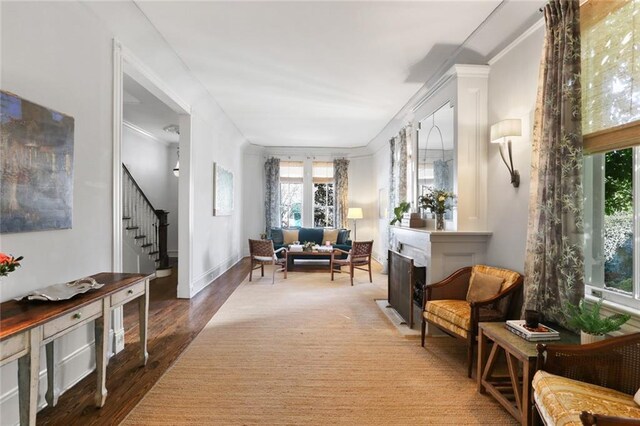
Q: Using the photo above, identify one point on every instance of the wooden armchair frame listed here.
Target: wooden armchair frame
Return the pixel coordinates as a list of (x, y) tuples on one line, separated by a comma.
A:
[(455, 287), (262, 253), (359, 257), (613, 363)]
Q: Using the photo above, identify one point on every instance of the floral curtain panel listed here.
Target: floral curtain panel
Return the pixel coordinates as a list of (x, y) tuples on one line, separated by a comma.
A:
[(397, 175), (272, 194), (341, 178), (554, 274)]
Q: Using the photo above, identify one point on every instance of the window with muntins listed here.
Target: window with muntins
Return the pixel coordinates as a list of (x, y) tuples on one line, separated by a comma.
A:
[(323, 194), (291, 193), (610, 33)]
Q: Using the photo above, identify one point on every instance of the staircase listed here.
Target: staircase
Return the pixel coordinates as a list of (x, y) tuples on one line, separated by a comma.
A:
[(145, 225)]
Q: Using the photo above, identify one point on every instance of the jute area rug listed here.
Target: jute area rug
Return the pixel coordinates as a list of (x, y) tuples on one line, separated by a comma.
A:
[(308, 351)]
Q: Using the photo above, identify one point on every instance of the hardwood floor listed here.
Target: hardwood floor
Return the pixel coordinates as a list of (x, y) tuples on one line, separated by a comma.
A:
[(173, 324)]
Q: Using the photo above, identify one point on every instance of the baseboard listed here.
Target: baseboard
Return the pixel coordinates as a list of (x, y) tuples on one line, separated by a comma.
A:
[(209, 276), (172, 253)]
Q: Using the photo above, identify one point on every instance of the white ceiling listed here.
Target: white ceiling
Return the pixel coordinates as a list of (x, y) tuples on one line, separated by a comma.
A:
[(329, 74), (146, 112)]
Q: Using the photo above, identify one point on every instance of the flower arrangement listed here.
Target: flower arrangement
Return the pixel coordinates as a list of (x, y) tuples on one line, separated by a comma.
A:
[(308, 246), (8, 264), (437, 201)]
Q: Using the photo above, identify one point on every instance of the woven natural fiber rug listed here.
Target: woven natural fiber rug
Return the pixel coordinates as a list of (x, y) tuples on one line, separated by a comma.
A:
[(308, 351)]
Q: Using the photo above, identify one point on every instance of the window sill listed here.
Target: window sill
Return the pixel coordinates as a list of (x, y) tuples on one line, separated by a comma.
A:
[(609, 308)]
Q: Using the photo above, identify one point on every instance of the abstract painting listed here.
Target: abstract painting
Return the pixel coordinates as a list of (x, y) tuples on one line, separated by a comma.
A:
[(222, 191), (36, 166)]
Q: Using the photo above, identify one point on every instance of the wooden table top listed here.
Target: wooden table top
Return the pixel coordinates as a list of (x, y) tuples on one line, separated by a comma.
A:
[(516, 344), (18, 316)]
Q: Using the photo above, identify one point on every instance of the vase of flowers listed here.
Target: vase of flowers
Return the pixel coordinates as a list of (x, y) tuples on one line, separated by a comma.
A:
[(8, 264), (437, 201)]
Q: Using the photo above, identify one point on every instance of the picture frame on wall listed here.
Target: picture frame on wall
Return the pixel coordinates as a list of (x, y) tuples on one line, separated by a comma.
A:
[(36, 166), (222, 191)]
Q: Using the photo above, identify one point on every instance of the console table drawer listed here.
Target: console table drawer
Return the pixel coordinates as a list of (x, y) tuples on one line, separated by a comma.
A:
[(123, 296), (14, 346), (72, 319)]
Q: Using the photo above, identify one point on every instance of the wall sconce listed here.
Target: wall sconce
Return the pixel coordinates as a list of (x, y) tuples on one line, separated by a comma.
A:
[(500, 132), (354, 213)]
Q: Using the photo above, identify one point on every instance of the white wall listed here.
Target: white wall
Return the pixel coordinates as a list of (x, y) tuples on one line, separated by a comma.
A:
[(513, 84), (60, 55), (65, 66), (363, 193), (151, 164), (253, 223)]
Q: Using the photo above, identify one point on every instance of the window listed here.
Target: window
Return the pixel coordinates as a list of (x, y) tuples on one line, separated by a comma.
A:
[(291, 188), (323, 194), (611, 123)]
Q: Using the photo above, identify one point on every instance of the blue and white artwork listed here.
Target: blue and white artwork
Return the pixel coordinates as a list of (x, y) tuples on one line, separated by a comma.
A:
[(222, 191), (36, 166)]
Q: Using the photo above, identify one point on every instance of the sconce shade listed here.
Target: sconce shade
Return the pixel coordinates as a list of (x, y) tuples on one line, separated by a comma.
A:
[(354, 213), (506, 128)]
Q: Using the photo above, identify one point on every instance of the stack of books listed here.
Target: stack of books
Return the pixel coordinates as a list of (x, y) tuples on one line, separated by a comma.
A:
[(540, 333), (412, 220)]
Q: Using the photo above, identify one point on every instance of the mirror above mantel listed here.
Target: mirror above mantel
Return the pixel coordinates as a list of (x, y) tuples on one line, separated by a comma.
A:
[(436, 151)]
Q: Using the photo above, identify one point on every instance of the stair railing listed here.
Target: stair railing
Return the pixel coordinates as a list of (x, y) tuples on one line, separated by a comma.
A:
[(147, 224)]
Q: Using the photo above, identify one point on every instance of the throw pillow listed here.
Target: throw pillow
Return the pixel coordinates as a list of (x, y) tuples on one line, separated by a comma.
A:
[(636, 398), (331, 235), (483, 286), (276, 236), (343, 236), (290, 235)]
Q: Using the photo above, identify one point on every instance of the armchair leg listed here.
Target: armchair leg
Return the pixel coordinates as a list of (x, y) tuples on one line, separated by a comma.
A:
[(331, 267), (424, 330), (469, 360), (352, 274), (370, 279), (262, 270), (251, 271)]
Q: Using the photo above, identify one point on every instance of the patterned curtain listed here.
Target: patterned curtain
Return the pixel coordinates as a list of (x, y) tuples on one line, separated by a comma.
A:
[(272, 194), (397, 175), (341, 178), (554, 274)]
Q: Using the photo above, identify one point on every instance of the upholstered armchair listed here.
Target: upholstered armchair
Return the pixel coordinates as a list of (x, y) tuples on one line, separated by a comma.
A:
[(262, 253), (468, 296), (592, 384)]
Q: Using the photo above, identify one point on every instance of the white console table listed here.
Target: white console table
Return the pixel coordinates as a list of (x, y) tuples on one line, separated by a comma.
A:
[(27, 325)]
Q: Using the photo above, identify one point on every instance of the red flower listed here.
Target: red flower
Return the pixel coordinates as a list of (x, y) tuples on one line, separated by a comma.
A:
[(8, 264)]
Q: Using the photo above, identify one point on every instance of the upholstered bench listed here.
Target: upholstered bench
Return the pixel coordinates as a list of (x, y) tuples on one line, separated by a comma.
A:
[(589, 384), (560, 400)]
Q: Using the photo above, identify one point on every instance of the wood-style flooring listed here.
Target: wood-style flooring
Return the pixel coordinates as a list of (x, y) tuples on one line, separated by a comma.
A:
[(173, 324)]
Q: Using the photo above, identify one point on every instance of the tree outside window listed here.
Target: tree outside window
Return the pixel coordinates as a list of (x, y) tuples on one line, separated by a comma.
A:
[(323, 195)]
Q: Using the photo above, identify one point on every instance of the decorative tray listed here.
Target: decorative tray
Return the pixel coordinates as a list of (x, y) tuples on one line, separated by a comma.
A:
[(62, 291)]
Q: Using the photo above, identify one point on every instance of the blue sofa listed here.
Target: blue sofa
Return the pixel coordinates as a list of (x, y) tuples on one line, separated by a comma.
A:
[(315, 235)]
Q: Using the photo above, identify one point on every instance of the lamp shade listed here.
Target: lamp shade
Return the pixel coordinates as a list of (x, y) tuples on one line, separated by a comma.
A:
[(505, 128), (354, 213)]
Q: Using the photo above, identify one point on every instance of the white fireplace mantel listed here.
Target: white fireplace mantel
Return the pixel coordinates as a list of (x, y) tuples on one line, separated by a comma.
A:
[(442, 252)]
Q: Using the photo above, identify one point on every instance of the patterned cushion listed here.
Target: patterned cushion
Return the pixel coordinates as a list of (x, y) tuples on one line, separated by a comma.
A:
[(636, 397), (561, 400), (456, 312)]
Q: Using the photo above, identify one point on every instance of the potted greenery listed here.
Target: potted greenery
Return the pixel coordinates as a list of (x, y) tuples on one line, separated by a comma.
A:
[(591, 324), (399, 211)]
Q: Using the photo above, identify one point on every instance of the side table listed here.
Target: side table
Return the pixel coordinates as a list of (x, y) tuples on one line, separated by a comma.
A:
[(513, 391)]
